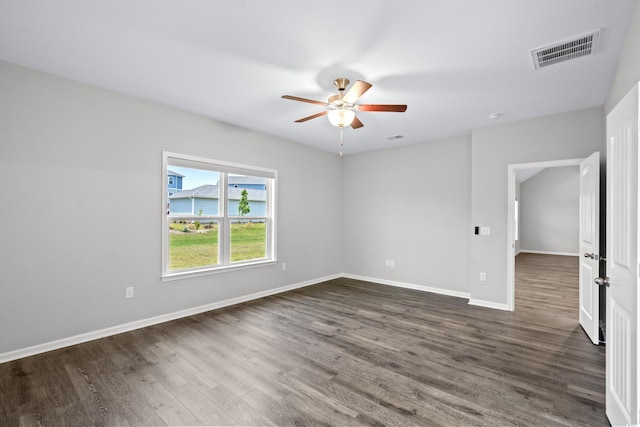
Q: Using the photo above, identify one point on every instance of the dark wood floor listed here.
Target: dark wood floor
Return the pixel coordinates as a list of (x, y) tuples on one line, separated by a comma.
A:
[(343, 352)]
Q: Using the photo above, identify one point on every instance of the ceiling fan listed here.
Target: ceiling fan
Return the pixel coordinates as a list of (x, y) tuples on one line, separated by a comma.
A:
[(341, 108)]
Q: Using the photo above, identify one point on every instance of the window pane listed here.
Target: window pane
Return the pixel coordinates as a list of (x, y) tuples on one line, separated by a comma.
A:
[(248, 240), (218, 215), (193, 243), (247, 195), (198, 192)]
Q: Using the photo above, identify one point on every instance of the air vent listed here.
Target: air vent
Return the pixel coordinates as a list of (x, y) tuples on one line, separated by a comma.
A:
[(577, 47)]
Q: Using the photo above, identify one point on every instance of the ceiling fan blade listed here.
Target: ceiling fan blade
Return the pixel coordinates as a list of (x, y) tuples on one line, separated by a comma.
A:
[(304, 119), (398, 108), (356, 91), (356, 123), (310, 101)]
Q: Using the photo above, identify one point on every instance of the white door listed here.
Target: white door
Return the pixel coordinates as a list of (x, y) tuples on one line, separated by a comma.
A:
[(589, 246), (622, 262)]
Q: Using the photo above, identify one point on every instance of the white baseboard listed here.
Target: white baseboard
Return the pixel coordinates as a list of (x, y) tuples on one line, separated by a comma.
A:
[(90, 336), (527, 251), (489, 304), (423, 288), (118, 329)]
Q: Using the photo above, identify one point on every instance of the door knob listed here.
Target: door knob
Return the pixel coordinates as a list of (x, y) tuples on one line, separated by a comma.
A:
[(602, 281), (592, 256)]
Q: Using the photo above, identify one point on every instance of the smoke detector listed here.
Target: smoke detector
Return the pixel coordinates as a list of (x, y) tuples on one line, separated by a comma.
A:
[(576, 47)]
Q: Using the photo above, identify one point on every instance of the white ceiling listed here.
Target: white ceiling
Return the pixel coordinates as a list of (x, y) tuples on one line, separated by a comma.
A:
[(524, 174), (452, 61)]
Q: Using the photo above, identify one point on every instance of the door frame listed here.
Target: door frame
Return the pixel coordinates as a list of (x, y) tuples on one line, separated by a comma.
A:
[(511, 197)]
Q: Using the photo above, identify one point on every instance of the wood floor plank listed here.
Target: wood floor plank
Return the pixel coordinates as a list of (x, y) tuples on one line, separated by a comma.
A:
[(280, 413), (99, 407), (342, 352), (168, 408), (242, 413), (123, 396), (202, 406)]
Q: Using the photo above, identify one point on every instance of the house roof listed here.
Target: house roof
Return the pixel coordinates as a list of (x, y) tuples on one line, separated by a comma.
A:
[(235, 179), (212, 192), (453, 62), (203, 192), (170, 172), (255, 195)]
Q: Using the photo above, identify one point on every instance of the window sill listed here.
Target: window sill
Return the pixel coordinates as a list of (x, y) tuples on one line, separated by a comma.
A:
[(216, 270)]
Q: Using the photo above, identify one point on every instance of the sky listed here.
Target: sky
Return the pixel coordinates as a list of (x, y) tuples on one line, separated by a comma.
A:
[(195, 177)]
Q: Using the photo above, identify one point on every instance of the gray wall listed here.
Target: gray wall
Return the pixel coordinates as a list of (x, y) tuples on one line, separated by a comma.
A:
[(628, 71), (549, 211), (569, 135), (68, 251), (410, 204), (67, 254)]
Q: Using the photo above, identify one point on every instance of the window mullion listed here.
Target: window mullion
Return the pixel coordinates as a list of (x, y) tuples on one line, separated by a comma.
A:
[(225, 226)]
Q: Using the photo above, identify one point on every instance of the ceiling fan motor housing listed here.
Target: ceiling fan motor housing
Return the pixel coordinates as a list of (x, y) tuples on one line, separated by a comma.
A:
[(341, 83), (336, 101)]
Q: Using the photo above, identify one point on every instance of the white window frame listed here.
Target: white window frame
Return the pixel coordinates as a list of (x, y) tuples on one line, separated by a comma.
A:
[(223, 217)]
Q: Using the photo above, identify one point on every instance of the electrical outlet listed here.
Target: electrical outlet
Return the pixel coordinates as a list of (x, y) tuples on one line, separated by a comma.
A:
[(128, 292), (483, 276), (391, 263), (485, 231), (284, 266)]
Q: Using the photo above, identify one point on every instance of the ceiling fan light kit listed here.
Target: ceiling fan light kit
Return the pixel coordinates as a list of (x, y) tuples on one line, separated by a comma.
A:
[(341, 117), (342, 107)]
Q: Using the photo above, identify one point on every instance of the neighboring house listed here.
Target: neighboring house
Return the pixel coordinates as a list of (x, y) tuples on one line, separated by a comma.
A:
[(247, 182), (174, 182), (206, 197)]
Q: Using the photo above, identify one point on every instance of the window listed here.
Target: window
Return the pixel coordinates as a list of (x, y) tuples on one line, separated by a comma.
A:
[(213, 225)]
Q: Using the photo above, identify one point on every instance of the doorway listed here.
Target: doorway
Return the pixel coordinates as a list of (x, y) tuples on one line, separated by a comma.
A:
[(515, 172), (546, 234), (588, 235)]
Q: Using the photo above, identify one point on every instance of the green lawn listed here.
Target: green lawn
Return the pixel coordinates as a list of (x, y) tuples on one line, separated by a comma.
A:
[(248, 241), (199, 247)]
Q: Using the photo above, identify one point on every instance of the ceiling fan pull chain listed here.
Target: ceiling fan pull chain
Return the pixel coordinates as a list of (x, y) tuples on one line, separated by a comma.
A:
[(341, 143)]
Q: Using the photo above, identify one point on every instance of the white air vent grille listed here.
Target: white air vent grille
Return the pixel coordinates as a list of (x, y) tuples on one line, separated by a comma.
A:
[(577, 47)]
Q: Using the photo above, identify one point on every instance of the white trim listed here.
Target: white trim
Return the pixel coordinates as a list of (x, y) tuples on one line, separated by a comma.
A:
[(527, 251), (511, 244), (187, 160), (405, 285), (548, 164), (114, 330), (183, 274), (489, 304), (90, 336)]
